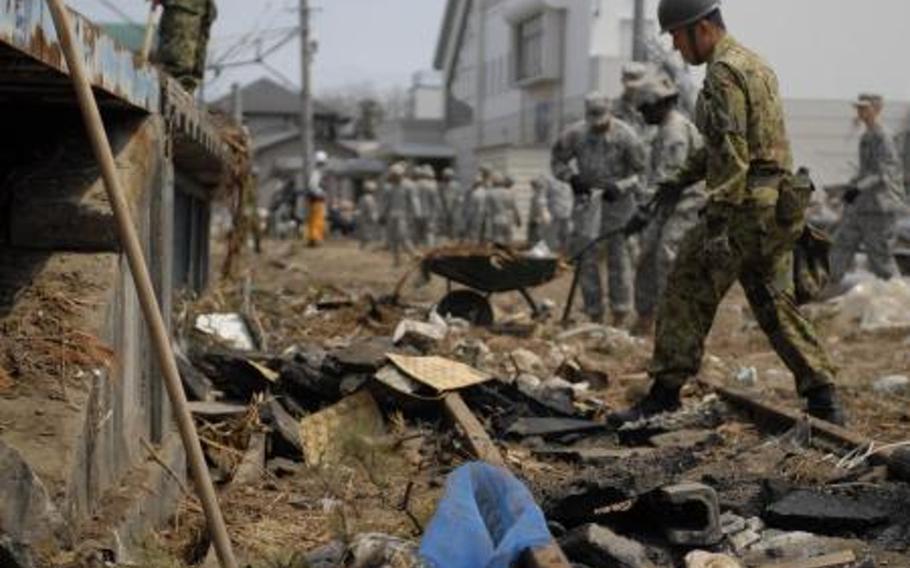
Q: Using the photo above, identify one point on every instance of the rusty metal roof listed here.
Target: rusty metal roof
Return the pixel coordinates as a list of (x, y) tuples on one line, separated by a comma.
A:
[(33, 72), (32, 63)]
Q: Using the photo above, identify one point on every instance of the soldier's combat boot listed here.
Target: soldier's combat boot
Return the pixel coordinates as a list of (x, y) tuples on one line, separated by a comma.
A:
[(823, 403), (659, 399)]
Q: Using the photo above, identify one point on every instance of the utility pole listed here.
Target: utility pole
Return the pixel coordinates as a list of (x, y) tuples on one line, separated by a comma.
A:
[(237, 104), (306, 95), (639, 51)]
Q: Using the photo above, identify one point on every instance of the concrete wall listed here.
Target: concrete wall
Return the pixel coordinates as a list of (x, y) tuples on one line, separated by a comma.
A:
[(77, 415)]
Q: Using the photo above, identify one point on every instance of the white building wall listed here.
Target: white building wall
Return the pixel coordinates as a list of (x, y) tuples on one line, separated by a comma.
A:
[(427, 103)]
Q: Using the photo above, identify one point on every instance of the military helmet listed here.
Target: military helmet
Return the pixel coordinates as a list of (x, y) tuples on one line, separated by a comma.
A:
[(675, 14), (397, 170), (871, 100), (656, 89)]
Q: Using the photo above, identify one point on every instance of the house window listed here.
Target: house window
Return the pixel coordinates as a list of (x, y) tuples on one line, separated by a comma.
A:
[(530, 47)]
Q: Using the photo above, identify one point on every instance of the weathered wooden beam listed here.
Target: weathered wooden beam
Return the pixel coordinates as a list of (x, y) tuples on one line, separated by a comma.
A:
[(836, 560), (475, 434), (480, 444), (787, 417)]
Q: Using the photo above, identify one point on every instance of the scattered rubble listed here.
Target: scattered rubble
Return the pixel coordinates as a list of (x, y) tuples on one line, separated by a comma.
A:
[(317, 425)]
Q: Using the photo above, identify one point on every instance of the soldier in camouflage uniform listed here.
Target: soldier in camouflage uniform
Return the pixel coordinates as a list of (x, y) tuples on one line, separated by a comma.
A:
[(428, 190), (873, 200), (559, 204), (754, 216), (539, 217), (451, 202), (475, 209), (602, 158), (675, 142), (367, 214), (183, 38), (401, 204), (502, 211)]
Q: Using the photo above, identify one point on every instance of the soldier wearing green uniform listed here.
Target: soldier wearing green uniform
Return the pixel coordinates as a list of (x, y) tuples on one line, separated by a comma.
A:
[(183, 38), (754, 215)]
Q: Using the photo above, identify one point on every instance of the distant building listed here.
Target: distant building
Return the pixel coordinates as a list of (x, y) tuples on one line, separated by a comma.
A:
[(426, 97), (420, 135), (515, 73), (272, 114)]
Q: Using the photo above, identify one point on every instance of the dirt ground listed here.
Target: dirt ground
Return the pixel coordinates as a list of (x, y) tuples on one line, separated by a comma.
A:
[(393, 489), (295, 272)]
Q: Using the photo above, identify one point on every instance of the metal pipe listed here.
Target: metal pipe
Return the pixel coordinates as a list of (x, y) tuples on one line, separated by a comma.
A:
[(146, 292)]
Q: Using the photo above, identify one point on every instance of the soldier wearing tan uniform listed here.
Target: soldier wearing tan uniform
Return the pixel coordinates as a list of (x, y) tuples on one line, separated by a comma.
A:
[(873, 200)]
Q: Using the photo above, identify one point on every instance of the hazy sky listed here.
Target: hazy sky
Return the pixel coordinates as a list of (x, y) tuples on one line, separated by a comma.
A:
[(820, 48)]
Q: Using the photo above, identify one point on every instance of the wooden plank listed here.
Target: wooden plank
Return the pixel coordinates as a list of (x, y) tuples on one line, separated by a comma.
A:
[(550, 556), (480, 444), (475, 435), (836, 560), (788, 417)]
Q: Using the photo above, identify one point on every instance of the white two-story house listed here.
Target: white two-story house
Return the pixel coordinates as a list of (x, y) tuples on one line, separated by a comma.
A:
[(515, 72)]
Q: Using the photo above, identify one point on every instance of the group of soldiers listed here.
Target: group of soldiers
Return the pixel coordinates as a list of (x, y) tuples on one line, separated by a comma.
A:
[(418, 210), (615, 160), (413, 206)]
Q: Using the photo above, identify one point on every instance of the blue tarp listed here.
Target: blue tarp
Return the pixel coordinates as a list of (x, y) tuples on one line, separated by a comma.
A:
[(486, 519)]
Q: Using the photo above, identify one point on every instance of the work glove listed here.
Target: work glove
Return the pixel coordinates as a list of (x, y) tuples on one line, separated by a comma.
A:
[(668, 193), (640, 220), (851, 194), (579, 187), (611, 192)]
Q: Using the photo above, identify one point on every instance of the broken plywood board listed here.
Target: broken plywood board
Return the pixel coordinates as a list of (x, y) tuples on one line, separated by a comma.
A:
[(327, 436), (439, 373)]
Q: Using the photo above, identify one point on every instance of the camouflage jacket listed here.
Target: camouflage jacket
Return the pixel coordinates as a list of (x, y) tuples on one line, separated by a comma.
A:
[(879, 179), (401, 201), (429, 199), (677, 140), (502, 208), (559, 199), (616, 156), (741, 117)]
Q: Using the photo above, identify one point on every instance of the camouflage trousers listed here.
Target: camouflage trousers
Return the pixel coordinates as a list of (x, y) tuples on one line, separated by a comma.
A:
[(501, 232), (537, 231), (877, 232), (425, 232), (592, 218), (398, 237), (183, 39), (659, 243), (761, 260), (558, 234)]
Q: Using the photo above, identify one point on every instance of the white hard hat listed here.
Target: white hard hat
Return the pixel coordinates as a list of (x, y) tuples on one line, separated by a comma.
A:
[(321, 157)]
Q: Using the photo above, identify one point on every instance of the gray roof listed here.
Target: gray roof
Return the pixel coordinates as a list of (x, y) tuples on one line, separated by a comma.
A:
[(418, 150), (265, 96)]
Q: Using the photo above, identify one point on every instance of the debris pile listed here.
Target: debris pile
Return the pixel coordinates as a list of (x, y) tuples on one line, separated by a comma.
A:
[(344, 445)]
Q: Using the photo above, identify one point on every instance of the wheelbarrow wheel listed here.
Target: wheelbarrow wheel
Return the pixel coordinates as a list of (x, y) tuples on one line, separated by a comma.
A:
[(467, 305)]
